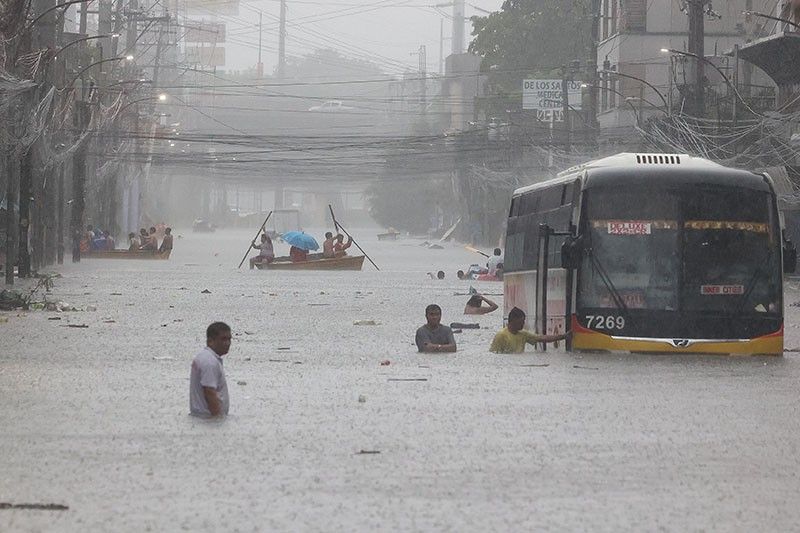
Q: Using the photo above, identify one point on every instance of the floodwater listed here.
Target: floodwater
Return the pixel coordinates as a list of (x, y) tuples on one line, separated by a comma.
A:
[(96, 418)]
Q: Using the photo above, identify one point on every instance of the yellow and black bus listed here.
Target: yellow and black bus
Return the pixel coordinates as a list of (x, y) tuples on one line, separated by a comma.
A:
[(657, 253)]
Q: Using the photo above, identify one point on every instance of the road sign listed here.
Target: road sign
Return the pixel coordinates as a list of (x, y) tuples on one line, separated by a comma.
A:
[(550, 115), (542, 95)]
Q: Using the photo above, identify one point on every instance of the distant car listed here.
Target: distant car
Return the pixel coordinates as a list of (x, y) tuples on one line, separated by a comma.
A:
[(331, 106), (203, 226)]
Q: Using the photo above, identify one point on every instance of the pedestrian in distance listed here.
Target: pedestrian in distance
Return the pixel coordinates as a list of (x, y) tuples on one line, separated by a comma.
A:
[(208, 390), (433, 336), (512, 338)]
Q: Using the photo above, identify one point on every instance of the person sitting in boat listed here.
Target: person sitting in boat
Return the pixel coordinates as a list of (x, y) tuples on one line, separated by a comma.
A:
[(110, 242), (266, 253), (340, 247), (166, 244), (474, 305), (328, 245), (133, 242), (151, 242), (298, 255), (99, 241)]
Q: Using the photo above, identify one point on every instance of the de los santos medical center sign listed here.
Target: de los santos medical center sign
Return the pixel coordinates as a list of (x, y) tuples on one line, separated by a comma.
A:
[(546, 98)]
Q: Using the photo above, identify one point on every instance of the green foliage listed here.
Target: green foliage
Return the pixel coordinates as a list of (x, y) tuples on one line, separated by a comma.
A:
[(405, 206), (529, 38)]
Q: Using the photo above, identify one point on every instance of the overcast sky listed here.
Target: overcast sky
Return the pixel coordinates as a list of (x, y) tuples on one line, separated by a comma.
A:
[(388, 32)]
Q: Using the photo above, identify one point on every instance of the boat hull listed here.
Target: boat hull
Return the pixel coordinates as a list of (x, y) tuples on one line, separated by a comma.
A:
[(348, 262), (126, 254)]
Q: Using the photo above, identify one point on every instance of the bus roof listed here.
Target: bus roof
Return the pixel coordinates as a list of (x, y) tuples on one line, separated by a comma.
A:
[(681, 167)]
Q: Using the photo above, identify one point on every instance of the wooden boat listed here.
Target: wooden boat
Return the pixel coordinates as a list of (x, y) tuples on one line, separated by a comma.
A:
[(315, 262), (125, 254)]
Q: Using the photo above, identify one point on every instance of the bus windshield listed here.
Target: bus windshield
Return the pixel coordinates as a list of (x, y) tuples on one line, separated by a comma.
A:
[(708, 250)]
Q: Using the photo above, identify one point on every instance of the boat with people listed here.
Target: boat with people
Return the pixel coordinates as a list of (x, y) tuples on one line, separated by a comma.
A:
[(315, 262), (126, 254)]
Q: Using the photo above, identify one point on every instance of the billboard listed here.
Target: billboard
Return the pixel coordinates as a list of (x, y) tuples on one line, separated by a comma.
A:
[(205, 32), (544, 95), (206, 56), (204, 8)]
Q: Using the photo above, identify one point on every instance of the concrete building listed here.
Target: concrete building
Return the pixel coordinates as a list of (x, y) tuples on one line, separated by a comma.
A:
[(632, 36)]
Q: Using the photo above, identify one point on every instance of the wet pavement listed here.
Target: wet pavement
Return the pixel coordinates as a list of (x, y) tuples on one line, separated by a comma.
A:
[(96, 418)]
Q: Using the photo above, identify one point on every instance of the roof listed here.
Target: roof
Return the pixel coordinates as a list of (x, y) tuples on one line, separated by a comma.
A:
[(666, 168), (776, 55)]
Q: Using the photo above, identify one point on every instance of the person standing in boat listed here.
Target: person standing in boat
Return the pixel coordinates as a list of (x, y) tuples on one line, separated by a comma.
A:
[(340, 247), (266, 253), (166, 244)]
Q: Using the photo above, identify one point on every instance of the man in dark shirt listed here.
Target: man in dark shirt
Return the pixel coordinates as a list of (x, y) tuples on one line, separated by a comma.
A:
[(433, 336)]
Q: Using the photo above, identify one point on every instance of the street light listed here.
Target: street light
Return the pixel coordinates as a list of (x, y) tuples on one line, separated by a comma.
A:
[(771, 17), (660, 95), (627, 99)]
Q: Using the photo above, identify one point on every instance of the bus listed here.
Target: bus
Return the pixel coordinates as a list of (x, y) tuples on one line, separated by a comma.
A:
[(651, 253)]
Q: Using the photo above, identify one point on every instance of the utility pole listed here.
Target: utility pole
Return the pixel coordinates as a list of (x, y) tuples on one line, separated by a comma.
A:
[(697, 47), (132, 34), (441, 47), (105, 27), (565, 109), (282, 42), (594, 76), (117, 28), (82, 114), (157, 61), (82, 23), (423, 74), (260, 65), (458, 26)]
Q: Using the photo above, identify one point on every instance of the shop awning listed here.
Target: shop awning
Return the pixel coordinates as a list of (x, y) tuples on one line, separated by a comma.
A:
[(777, 55)]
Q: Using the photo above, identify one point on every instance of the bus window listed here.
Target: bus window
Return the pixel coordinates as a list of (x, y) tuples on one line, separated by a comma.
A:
[(551, 198), (529, 204)]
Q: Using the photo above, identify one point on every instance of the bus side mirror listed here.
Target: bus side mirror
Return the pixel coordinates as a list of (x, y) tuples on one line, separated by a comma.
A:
[(789, 257), (571, 253)]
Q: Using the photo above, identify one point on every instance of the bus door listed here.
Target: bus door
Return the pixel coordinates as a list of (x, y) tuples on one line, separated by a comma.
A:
[(553, 288)]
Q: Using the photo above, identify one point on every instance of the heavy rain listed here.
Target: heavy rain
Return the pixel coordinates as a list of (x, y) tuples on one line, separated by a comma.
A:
[(487, 265)]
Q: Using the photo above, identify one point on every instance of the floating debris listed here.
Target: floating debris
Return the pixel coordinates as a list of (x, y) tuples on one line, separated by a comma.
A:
[(366, 323), (585, 367), (386, 362), (35, 506), (362, 398), (408, 379), (75, 326), (368, 452), (537, 366), (205, 291)]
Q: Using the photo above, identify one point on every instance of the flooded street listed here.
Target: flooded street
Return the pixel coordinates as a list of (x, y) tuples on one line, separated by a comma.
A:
[(96, 418)]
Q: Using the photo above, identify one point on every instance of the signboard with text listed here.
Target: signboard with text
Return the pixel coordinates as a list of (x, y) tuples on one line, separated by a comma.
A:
[(544, 95)]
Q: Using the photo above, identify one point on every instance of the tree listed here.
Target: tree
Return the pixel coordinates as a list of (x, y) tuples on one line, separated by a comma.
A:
[(529, 38)]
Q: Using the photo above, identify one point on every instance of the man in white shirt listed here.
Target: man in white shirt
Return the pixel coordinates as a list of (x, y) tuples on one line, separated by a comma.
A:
[(208, 390), (496, 259)]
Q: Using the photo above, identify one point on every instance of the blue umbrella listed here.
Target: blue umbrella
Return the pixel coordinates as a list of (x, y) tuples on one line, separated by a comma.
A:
[(301, 240)]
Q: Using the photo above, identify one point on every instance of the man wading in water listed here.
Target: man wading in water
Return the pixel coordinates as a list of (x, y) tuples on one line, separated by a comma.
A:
[(208, 390)]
